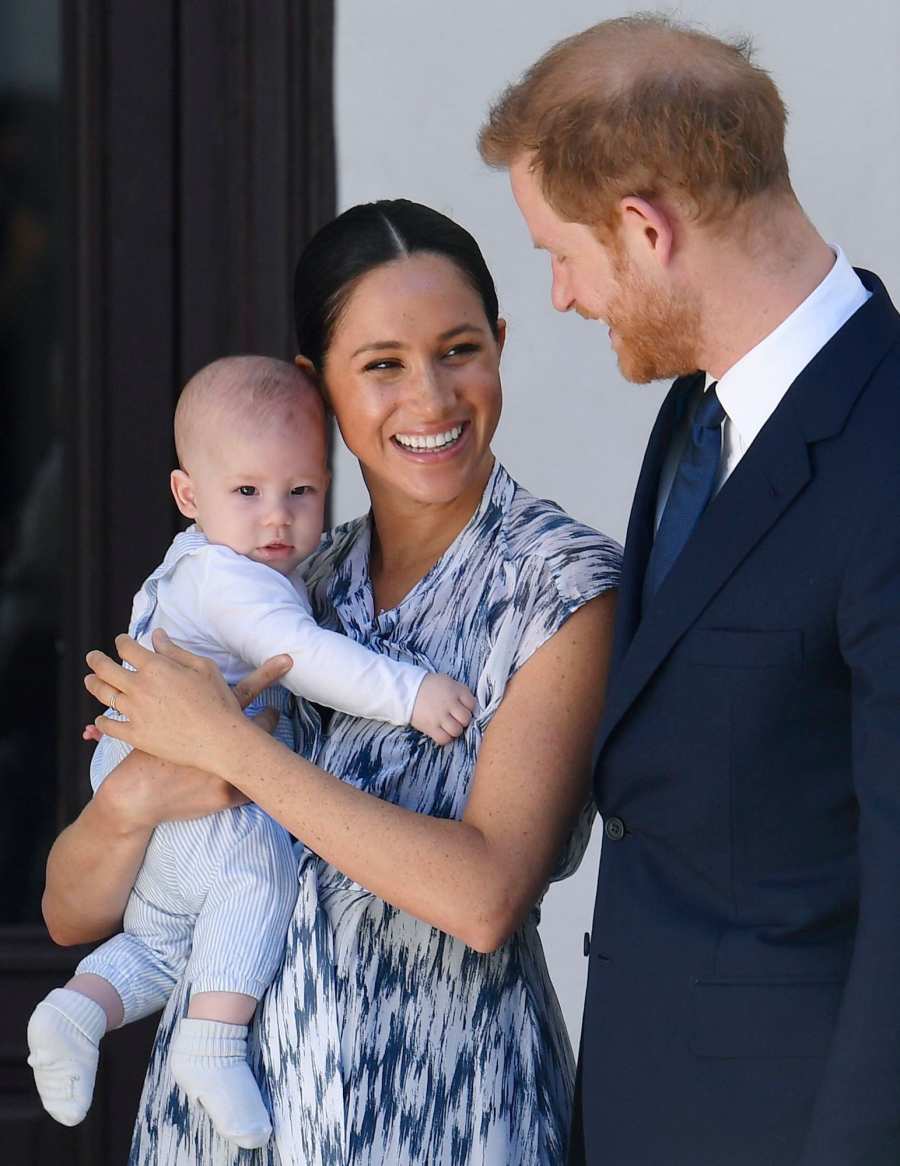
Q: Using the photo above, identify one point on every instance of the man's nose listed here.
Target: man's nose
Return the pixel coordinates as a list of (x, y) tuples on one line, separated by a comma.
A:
[(560, 292)]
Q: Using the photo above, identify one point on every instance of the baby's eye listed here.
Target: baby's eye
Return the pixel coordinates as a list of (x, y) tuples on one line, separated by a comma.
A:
[(247, 491), (299, 491)]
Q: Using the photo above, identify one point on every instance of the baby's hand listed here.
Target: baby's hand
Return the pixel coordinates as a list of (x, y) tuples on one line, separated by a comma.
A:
[(91, 733), (443, 708)]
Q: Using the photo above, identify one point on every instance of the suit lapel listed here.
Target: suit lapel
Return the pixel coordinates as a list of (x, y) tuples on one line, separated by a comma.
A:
[(639, 538), (775, 469), (770, 476)]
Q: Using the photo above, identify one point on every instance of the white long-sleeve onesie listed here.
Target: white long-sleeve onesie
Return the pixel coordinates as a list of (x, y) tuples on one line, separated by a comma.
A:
[(239, 613), (219, 891)]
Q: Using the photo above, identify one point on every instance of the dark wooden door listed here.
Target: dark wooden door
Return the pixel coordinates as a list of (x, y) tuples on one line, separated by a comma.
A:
[(154, 195)]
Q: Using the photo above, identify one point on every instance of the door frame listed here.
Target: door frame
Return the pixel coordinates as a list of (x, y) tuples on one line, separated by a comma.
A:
[(199, 157)]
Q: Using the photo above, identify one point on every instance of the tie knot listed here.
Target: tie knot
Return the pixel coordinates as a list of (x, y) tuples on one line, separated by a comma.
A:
[(710, 413)]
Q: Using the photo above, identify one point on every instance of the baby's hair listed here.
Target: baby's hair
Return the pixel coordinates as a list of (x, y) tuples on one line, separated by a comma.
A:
[(248, 390)]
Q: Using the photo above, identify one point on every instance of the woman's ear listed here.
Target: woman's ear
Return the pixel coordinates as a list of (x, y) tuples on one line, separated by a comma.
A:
[(183, 493), (307, 366), (501, 334)]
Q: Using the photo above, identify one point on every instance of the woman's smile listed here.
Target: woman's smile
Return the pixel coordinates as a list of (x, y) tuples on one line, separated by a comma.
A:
[(433, 444)]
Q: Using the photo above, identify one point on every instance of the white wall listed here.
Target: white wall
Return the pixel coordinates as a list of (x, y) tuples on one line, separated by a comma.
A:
[(414, 81)]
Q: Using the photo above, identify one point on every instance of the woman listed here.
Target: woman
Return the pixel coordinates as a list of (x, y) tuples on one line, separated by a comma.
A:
[(413, 1020)]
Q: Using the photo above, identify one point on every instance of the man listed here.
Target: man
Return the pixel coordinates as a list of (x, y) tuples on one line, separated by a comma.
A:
[(743, 1002)]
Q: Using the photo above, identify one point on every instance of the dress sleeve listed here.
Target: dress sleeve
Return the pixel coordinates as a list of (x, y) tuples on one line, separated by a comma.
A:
[(566, 568), (254, 612), (573, 569)]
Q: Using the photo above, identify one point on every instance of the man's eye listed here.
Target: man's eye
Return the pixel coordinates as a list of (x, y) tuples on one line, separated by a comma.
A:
[(247, 491), (301, 490)]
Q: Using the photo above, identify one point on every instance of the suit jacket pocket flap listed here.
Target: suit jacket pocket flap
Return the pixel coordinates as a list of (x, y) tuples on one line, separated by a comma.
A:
[(739, 648), (771, 1018)]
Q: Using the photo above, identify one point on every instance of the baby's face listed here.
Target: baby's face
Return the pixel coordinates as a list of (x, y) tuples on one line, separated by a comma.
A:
[(263, 493)]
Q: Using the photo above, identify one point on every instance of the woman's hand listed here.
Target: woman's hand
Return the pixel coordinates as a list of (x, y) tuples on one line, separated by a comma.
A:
[(178, 706), (136, 797), (145, 790)]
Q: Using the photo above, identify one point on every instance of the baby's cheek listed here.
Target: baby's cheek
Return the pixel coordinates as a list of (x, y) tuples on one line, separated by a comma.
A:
[(308, 533)]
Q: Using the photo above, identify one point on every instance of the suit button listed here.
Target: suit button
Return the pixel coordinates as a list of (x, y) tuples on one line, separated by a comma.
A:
[(614, 829), (587, 943)]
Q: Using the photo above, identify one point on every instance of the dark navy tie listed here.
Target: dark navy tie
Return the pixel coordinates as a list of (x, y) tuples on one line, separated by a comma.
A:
[(692, 488)]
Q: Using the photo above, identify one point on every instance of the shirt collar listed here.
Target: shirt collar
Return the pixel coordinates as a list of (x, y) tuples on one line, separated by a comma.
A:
[(751, 389)]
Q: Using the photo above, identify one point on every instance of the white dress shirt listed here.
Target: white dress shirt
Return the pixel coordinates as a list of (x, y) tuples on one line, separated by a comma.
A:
[(751, 390)]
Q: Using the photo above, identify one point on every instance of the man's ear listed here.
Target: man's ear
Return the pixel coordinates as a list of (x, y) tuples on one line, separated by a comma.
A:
[(183, 493), (648, 228)]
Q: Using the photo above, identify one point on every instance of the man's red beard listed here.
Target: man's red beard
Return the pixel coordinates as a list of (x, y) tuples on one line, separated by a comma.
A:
[(657, 335)]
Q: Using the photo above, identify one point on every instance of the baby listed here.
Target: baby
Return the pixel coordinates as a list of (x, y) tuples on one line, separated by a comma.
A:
[(219, 891)]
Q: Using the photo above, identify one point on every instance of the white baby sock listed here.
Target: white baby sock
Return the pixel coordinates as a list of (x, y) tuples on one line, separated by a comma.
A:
[(209, 1062), (64, 1033)]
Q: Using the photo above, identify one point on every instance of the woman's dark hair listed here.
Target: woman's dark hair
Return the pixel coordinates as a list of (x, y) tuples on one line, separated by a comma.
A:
[(363, 238)]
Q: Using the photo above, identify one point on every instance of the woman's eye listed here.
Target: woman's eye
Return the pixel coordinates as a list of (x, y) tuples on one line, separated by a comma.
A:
[(462, 349), (381, 365), (247, 491), (299, 491)]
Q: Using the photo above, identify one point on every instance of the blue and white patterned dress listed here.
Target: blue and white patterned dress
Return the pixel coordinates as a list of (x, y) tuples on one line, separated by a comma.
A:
[(384, 1041)]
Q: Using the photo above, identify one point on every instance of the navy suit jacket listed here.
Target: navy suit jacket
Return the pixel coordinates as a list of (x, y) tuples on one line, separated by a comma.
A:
[(743, 1003)]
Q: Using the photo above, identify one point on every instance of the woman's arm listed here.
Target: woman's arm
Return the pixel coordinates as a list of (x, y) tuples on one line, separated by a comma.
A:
[(476, 878), (91, 868), (92, 865)]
